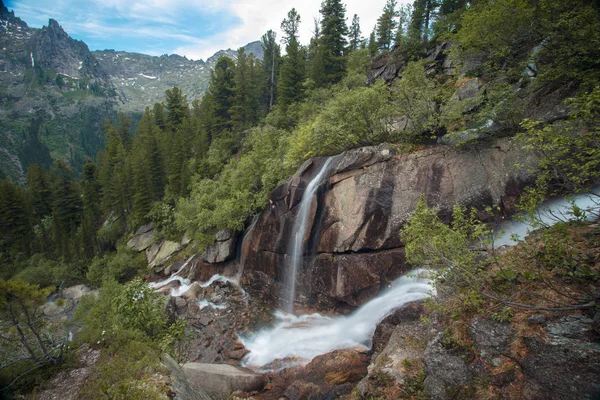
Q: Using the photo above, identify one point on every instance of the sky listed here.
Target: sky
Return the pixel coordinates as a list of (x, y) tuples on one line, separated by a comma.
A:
[(192, 28)]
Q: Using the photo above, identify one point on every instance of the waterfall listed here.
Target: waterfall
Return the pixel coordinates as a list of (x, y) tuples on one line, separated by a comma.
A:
[(301, 338), (549, 213), (299, 231)]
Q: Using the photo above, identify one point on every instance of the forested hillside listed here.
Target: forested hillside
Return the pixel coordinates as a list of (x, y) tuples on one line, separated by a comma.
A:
[(432, 72)]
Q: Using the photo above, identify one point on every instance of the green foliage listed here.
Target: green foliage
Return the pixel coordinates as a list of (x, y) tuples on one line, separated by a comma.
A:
[(238, 191), (418, 98), (140, 361), (386, 25), (570, 149), (352, 118), (120, 266), (558, 39), (163, 219), (44, 272), (139, 308)]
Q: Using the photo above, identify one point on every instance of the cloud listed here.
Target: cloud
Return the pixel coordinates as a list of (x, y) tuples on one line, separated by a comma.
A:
[(194, 28)]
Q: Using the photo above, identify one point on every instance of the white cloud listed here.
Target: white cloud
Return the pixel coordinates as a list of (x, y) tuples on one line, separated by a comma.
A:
[(162, 19)]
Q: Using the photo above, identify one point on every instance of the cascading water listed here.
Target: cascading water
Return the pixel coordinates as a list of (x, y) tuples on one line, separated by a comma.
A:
[(549, 213), (299, 231), (301, 338), (183, 282), (307, 336)]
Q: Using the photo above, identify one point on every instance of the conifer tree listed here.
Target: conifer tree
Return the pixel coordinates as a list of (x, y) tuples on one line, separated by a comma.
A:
[(355, 39), (15, 226), (39, 191), (332, 42), (271, 64), (177, 108), (220, 97), (373, 47), (66, 209), (386, 25), (290, 86), (90, 220), (242, 97)]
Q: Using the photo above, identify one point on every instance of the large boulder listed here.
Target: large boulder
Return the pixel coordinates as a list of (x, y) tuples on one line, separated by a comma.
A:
[(446, 369), (158, 255), (223, 249), (360, 208), (327, 376), (143, 238), (223, 379), (180, 383), (564, 363), (399, 344)]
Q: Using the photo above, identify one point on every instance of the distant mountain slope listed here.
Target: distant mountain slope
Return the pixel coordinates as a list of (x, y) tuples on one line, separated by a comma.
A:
[(54, 96), (55, 93), (141, 80)]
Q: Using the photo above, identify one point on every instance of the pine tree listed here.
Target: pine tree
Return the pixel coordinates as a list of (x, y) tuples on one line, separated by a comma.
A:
[(373, 48), (403, 23), (354, 35), (220, 96), (291, 78), (386, 25), (15, 226), (90, 220), (240, 109), (66, 209), (177, 108), (424, 12), (332, 42), (39, 191), (124, 129), (159, 116), (271, 63)]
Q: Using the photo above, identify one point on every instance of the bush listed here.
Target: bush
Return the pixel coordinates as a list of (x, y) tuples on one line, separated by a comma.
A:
[(118, 266), (355, 117), (238, 191)]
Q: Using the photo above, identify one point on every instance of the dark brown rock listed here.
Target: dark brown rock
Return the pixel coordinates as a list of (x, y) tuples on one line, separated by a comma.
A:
[(354, 278), (368, 197), (407, 313), (329, 375)]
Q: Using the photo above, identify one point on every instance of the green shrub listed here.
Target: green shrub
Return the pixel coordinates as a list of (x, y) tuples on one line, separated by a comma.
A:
[(119, 266), (355, 117)]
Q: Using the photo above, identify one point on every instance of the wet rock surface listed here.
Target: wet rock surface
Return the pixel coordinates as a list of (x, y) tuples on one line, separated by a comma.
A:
[(222, 379), (361, 207)]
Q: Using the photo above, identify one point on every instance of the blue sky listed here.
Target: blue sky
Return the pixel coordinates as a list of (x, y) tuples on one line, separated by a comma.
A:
[(194, 28)]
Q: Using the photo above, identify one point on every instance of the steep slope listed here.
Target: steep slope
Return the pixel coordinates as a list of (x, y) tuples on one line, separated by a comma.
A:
[(53, 95)]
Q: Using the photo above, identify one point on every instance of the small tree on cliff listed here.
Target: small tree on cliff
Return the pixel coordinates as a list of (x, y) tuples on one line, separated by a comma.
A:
[(23, 333)]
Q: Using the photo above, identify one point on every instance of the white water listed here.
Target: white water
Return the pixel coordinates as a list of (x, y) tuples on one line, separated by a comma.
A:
[(206, 303), (549, 213), (299, 229), (174, 277), (307, 336)]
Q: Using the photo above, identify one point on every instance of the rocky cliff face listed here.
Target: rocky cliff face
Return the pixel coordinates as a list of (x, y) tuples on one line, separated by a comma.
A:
[(352, 245)]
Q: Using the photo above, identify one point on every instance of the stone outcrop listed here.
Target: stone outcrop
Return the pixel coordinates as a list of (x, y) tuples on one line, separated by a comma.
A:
[(398, 351), (357, 213), (159, 253), (223, 379), (223, 249), (143, 238)]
